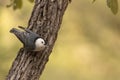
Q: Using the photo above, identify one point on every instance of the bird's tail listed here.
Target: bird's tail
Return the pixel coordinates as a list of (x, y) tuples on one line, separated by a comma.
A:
[(19, 34), (14, 30)]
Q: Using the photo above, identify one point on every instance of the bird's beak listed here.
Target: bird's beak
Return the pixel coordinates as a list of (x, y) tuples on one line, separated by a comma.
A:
[(46, 46)]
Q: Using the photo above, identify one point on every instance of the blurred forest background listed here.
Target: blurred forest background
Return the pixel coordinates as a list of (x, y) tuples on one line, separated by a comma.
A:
[(88, 44)]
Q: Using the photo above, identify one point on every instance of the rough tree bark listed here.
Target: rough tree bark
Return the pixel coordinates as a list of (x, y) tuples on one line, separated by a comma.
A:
[(45, 20)]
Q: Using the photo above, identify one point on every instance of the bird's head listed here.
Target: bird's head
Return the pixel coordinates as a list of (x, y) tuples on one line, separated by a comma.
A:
[(39, 44)]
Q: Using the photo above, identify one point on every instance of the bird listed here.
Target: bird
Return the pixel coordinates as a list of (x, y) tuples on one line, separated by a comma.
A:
[(31, 40)]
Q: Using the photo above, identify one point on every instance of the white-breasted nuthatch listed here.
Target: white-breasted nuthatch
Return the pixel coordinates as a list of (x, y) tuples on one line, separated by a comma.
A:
[(31, 41)]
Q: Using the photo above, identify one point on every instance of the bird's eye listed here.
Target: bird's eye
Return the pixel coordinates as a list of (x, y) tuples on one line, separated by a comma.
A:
[(42, 42)]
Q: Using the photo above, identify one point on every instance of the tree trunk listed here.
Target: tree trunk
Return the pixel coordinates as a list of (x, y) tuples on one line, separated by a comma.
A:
[(45, 20)]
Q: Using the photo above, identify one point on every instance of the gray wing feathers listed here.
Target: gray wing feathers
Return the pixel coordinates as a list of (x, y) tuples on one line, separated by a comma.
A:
[(27, 37)]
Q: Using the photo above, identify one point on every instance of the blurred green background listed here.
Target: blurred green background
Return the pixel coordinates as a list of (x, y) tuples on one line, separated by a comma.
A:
[(87, 48)]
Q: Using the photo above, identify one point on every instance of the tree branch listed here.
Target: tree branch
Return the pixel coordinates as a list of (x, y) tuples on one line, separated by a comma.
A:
[(45, 20)]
